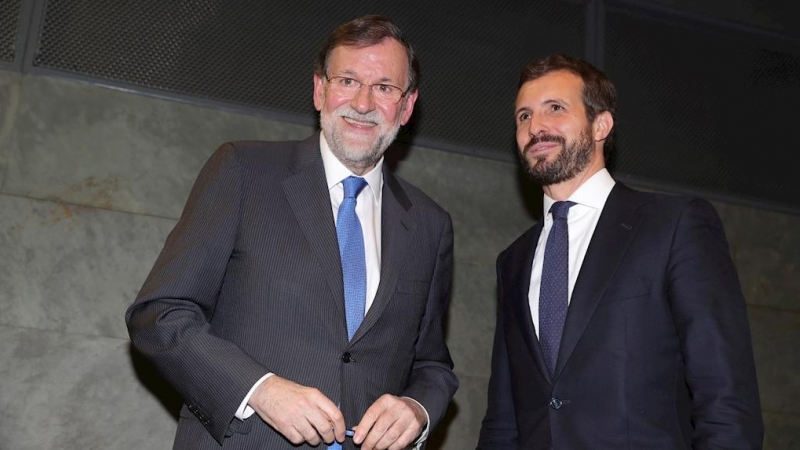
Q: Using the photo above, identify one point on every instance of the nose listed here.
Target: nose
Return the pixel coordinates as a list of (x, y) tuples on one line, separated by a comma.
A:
[(536, 126), (363, 101)]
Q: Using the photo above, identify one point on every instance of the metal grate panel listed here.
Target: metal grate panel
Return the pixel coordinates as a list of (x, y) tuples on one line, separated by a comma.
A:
[(9, 22), (261, 54), (710, 110)]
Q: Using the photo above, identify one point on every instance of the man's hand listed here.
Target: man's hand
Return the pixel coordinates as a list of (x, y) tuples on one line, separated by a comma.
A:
[(299, 413), (390, 423)]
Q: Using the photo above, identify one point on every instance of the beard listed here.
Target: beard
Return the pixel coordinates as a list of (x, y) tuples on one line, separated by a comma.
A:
[(357, 151), (572, 159)]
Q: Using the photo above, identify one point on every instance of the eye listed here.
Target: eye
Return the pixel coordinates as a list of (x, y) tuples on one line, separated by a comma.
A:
[(384, 88), (523, 116), (347, 82), (556, 107)]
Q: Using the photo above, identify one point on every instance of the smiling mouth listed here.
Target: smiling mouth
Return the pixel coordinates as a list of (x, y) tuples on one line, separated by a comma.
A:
[(540, 147), (359, 123), (543, 143)]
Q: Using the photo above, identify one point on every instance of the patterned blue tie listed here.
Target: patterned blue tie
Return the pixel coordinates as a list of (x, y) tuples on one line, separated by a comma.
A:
[(351, 250), (553, 294)]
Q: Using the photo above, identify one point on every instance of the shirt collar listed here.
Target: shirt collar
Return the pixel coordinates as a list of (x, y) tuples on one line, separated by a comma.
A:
[(592, 193), (335, 171)]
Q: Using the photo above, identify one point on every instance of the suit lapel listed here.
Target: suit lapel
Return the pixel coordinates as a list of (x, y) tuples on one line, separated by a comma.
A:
[(521, 264), (615, 230), (307, 193), (397, 227)]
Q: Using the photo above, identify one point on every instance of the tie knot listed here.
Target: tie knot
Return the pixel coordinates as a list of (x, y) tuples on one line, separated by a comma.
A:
[(352, 186), (559, 210)]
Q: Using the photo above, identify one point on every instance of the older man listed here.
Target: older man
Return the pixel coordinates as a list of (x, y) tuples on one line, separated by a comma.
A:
[(301, 297)]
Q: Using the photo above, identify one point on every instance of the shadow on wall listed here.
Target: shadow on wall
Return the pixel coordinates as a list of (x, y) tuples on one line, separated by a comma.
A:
[(438, 439), (153, 382), (531, 194)]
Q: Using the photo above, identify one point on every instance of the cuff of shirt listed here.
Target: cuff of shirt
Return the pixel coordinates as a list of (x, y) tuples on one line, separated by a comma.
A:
[(424, 436), (245, 410)]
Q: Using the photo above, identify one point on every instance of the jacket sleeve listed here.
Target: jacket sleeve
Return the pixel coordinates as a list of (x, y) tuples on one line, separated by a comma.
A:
[(169, 321), (499, 428), (711, 318), (432, 382)]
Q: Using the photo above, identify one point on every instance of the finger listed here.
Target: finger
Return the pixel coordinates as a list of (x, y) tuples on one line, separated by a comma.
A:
[(293, 435), (395, 427), (407, 437), (380, 436), (334, 417), (390, 437), (309, 433), (367, 422), (322, 424)]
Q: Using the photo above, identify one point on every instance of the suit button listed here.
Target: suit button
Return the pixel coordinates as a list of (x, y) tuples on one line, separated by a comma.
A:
[(346, 357), (555, 403)]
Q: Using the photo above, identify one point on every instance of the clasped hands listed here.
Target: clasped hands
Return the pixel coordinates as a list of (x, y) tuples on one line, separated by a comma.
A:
[(304, 414)]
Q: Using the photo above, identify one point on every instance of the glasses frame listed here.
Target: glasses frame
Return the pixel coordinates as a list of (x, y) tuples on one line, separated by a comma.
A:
[(361, 84)]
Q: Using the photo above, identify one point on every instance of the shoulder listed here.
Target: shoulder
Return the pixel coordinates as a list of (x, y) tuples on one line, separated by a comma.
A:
[(669, 213), (657, 203), (263, 152), (267, 157), (414, 195)]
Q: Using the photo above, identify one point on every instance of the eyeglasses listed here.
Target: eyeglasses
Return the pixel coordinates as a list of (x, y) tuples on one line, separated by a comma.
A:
[(381, 92)]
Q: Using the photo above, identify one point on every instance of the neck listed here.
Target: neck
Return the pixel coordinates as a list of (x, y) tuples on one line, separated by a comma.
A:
[(562, 191)]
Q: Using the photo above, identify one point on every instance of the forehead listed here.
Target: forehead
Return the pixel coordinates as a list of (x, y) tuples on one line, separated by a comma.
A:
[(560, 85), (386, 60)]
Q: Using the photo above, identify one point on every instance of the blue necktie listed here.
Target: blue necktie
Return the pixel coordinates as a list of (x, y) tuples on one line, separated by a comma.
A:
[(351, 250), (554, 291), (354, 266)]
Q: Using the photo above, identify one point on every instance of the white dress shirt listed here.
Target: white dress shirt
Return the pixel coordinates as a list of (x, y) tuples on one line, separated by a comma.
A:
[(589, 198)]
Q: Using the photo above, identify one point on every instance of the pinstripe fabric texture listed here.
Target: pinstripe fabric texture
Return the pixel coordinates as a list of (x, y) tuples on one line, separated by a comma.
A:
[(250, 281)]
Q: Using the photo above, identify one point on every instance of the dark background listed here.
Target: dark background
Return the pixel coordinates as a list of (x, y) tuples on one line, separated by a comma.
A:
[(708, 90)]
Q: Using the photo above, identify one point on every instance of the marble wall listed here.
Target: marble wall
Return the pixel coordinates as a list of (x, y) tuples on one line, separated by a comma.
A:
[(92, 180)]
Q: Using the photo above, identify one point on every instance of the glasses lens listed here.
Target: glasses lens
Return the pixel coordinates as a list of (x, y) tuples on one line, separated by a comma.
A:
[(383, 93), (387, 93)]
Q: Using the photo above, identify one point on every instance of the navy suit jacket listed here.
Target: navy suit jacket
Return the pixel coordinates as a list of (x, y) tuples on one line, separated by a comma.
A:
[(655, 353), (250, 282)]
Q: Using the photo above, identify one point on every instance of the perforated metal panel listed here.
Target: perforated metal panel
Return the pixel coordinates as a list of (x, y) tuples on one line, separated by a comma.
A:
[(9, 22), (775, 15), (707, 107), (471, 59), (261, 54), (710, 109), (221, 50)]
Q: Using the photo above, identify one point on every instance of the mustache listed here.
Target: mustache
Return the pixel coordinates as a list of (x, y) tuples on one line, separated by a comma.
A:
[(350, 113), (543, 138)]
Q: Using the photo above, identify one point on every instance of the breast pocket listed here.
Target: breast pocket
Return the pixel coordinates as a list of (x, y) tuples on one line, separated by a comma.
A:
[(411, 296), (412, 287)]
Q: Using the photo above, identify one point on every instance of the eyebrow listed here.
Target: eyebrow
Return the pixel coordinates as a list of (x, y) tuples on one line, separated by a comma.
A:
[(544, 102), (351, 74), (556, 100)]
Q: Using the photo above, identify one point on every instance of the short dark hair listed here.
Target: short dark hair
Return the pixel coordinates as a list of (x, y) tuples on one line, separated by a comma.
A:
[(599, 93), (366, 31)]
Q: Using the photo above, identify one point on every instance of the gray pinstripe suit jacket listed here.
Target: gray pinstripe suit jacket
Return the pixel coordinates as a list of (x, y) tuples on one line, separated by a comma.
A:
[(249, 282)]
